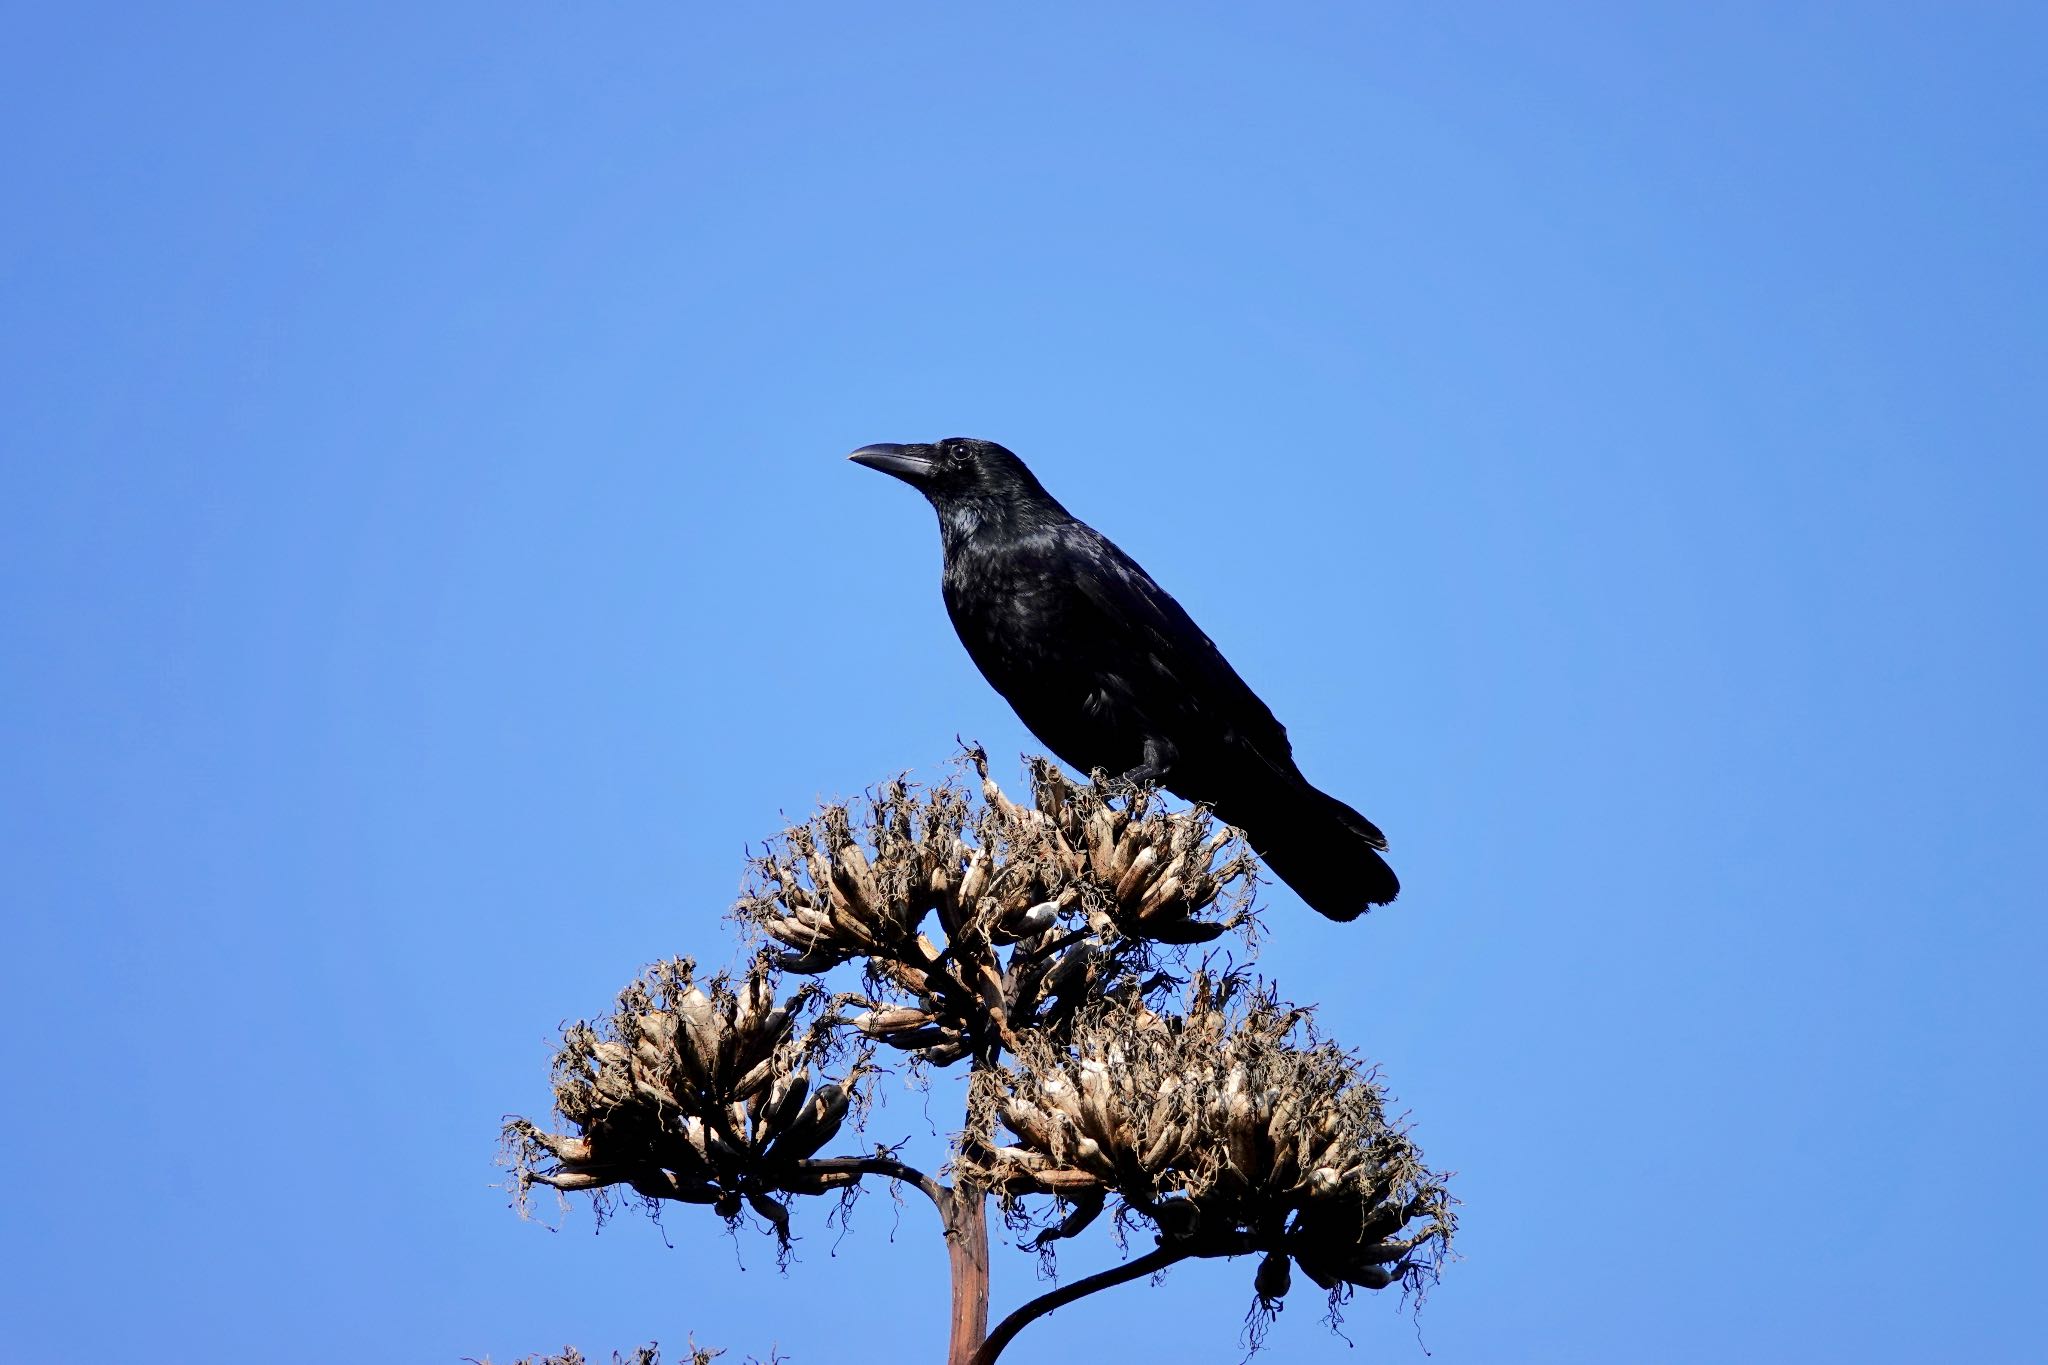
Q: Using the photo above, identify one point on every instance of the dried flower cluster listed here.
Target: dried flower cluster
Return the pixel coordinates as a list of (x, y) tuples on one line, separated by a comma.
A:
[(1220, 1127), (649, 1354), (642, 1355), (704, 1097), (1074, 886)]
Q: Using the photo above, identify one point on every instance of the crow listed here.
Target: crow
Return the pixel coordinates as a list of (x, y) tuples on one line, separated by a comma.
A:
[(1111, 674)]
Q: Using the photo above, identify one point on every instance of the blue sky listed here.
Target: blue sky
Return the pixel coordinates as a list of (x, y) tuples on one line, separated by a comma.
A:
[(1610, 438)]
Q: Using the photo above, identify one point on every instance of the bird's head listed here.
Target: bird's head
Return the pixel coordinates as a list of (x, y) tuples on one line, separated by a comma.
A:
[(958, 472)]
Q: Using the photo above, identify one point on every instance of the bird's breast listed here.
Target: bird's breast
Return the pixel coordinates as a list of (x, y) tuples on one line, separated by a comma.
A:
[(1008, 620)]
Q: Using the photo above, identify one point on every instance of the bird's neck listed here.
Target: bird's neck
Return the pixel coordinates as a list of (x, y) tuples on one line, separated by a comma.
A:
[(964, 522)]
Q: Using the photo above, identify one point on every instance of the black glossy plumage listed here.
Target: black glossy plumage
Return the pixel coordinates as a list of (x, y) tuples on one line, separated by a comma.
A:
[(1110, 673)]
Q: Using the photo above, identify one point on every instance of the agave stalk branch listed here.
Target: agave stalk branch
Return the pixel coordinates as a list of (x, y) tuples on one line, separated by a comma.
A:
[(1151, 1263)]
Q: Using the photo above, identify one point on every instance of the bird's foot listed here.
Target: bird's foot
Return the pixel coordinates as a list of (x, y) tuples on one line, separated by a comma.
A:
[(1135, 788), (1111, 784), (1152, 771)]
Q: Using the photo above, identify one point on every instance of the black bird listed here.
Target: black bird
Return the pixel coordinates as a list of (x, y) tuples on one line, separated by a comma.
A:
[(1109, 672)]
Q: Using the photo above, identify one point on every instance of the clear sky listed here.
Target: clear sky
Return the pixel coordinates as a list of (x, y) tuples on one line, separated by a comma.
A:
[(1610, 437)]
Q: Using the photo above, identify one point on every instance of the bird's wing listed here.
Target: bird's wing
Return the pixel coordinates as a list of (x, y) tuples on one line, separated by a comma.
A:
[(1158, 630)]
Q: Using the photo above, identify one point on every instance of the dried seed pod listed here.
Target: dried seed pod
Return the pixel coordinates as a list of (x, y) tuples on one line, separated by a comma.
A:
[(1020, 1156), (1061, 1147), (988, 984), (1162, 898), (1280, 1143), (773, 1210), (1032, 921), (652, 1088), (1135, 875), (700, 1027), (1165, 1146), (1273, 1280), (1072, 966), (855, 881), (1371, 1276), (741, 1015), (756, 1080), (975, 880), (1088, 1154), (785, 1101), (814, 1126), (725, 1052), (725, 1154), (1058, 1096), (1093, 1102), (821, 958), (945, 1054), (657, 1026), (1028, 1121), (1086, 1208), (666, 1185), (1101, 836), (929, 1036), (1164, 1103), (759, 1041), (1050, 797), (559, 1146), (698, 1136)]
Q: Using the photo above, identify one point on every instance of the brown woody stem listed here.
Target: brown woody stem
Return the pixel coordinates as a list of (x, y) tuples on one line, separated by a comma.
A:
[(964, 1210), (966, 1213), (892, 1169), (1150, 1263)]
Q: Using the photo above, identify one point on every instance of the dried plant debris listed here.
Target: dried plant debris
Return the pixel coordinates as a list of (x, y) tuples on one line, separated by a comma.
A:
[(704, 1094), (642, 1355), (649, 1354), (929, 889), (1230, 1129)]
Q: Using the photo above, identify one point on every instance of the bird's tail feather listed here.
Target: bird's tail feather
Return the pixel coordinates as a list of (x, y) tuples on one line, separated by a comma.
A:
[(1326, 851)]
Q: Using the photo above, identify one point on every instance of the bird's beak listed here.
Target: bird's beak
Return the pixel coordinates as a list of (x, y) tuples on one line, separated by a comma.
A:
[(912, 464)]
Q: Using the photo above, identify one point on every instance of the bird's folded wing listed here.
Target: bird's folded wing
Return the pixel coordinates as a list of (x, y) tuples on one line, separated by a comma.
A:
[(1151, 627)]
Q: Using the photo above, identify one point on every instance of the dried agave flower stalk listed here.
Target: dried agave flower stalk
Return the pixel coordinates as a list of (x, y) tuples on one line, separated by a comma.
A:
[(1028, 940), (1228, 1133)]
